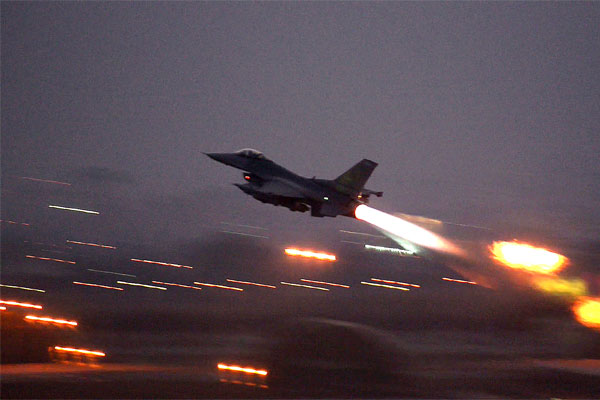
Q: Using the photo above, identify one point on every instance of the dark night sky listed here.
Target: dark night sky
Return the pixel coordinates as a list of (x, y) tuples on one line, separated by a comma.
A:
[(484, 113)]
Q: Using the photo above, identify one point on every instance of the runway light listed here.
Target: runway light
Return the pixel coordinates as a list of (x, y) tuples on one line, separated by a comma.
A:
[(176, 284), (247, 370), (304, 286), (18, 304), (587, 311), (310, 254), (459, 281), (141, 285), (526, 257), (325, 283), (51, 259), (51, 320), (23, 288), (395, 283), (405, 230), (385, 286), (161, 263), (98, 286), (91, 244), (252, 283), (219, 286), (80, 351), (74, 209)]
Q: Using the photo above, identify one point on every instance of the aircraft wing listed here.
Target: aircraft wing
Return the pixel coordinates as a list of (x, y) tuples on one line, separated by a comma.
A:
[(281, 188)]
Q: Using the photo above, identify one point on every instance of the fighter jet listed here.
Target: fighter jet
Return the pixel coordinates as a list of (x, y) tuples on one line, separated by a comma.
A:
[(270, 183)]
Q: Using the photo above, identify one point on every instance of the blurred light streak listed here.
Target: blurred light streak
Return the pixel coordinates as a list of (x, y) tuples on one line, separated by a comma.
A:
[(393, 250), (363, 234), (310, 254), (245, 226), (325, 283), (161, 263), (395, 283), (23, 288), (18, 304), (81, 351), (236, 382), (51, 259), (562, 287), (176, 284), (91, 244), (219, 286), (587, 311), (51, 320), (252, 283), (245, 234), (247, 370), (526, 257), (110, 272), (304, 286), (384, 286), (45, 180), (141, 285), (74, 209), (2, 308), (405, 230), (459, 281), (350, 241), (96, 285), (14, 223)]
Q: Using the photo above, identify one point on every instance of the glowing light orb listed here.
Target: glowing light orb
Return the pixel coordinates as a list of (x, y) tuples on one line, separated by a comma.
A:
[(528, 258), (587, 311)]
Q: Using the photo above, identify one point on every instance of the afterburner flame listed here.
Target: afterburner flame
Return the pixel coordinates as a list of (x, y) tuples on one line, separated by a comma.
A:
[(405, 230), (587, 311), (526, 257)]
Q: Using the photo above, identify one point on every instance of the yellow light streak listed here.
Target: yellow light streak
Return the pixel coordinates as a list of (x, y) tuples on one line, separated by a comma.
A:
[(80, 351), (23, 288), (161, 263), (98, 286), (304, 286), (385, 286), (252, 283), (91, 244), (395, 283), (18, 304), (141, 285), (405, 230), (51, 320), (177, 284), (74, 209), (219, 286), (526, 257), (247, 370), (51, 259), (310, 254), (325, 283), (587, 311), (459, 281)]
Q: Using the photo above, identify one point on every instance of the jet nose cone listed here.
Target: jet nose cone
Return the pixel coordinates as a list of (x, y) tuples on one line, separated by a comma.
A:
[(215, 156)]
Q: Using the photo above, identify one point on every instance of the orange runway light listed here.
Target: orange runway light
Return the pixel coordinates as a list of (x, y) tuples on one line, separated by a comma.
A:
[(325, 283), (385, 286), (395, 283), (17, 304), (80, 351), (51, 320), (526, 257), (310, 254), (91, 244), (247, 370), (51, 259), (304, 286), (176, 284), (252, 284), (23, 288), (459, 281), (587, 311), (219, 286), (98, 286), (161, 263)]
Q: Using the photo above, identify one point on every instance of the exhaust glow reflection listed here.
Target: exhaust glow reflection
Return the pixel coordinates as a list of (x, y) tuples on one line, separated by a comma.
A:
[(310, 254), (587, 311), (52, 320), (526, 257), (17, 304), (80, 351), (405, 230), (247, 370)]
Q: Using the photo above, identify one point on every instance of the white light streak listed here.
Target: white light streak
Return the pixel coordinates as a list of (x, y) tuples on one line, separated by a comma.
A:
[(96, 285), (176, 284), (362, 234), (91, 244), (384, 286), (219, 286), (245, 234), (325, 283), (161, 263), (110, 272), (252, 283), (74, 209), (395, 282), (393, 250), (304, 286), (141, 285), (23, 288)]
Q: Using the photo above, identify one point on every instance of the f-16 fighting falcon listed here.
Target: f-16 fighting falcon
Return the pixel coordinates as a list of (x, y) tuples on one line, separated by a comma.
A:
[(270, 183)]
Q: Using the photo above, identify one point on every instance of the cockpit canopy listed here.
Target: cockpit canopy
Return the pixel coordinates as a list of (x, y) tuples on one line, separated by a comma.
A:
[(250, 153)]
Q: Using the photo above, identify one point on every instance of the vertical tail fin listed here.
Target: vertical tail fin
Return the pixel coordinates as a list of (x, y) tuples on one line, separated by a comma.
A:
[(352, 181)]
